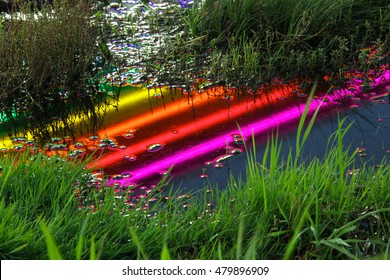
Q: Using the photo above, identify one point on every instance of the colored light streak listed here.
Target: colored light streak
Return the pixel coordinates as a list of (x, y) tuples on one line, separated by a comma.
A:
[(7, 142), (281, 118), (158, 115), (190, 128), (265, 124), (127, 101)]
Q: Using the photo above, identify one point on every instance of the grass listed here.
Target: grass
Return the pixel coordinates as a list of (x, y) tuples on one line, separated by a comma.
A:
[(51, 68), (249, 43), (288, 208)]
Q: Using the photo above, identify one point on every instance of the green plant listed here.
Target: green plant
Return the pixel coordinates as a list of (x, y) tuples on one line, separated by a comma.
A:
[(49, 68)]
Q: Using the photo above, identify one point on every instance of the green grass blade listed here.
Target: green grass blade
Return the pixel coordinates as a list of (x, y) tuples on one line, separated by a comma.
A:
[(92, 252), (335, 245), (165, 253), (294, 240), (240, 235), (52, 249), (79, 246), (140, 250)]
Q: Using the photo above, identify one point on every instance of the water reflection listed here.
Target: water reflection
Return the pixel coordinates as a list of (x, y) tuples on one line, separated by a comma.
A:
[(220, 140), (204, 135)]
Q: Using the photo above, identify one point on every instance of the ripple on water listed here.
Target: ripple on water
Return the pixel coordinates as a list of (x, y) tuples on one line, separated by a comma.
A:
[(128, 135), (19, 148), (56, 140), (76, 153), (79, 145), (218, 165), (92, 148), (20, 140), (117, 177), (238, 139), (30, 143), (235, 151), (130, 157), (93, 137), (222, 158), (126, 174), (154, 147)]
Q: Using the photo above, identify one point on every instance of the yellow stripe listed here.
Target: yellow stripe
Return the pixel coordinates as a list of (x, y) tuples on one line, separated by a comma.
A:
[(130, 100)]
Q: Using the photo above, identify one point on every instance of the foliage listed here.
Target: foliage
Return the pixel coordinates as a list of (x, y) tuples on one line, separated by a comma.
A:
[(49, 67), (249, 43)]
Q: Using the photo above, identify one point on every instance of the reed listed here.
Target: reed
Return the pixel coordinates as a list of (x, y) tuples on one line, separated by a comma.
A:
[(249, 42)]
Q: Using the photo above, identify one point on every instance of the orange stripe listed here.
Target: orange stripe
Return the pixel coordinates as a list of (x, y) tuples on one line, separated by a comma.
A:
[(185, 129)]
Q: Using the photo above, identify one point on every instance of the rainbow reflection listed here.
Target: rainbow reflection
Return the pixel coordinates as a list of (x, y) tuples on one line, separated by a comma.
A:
[(266, 124), (187, 129)]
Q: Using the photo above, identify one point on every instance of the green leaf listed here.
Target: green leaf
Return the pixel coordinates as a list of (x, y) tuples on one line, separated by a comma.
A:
[(52, 249), (339, 241), (251, 251), (220, 255), (278, 233), (79, 247), (334, 245), (140, 250), (240, 236), (92, 252), (165, 253), (352, 223), (18, 248)]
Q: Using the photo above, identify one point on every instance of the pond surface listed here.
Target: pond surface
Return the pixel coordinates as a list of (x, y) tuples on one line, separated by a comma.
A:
[(201, 134), (370, 133)]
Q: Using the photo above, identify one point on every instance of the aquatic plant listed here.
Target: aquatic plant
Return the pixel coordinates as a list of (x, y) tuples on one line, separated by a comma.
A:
[(50, 67)]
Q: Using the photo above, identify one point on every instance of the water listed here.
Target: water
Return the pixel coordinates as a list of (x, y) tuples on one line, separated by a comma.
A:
[(366, 133), (206, 142)]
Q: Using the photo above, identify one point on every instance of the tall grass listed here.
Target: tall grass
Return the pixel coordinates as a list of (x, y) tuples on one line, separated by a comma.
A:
[(308, 23), (50, 68), (250, 42), (287, 208)]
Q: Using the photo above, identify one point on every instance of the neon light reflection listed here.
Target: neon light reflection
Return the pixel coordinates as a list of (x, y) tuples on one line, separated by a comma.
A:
[(265, 124)]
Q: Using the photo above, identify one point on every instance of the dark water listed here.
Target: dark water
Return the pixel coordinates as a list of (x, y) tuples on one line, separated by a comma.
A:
[(370, 129), (209, 162)]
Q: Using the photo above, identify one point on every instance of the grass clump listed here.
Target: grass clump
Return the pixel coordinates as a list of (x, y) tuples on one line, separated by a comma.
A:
[(50, 67), (249, 43)]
